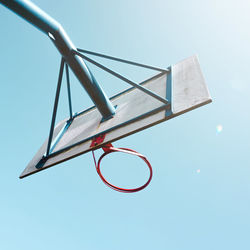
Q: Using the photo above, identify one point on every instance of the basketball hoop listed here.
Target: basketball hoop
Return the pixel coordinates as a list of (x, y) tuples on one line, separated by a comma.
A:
[(173, 91), (108, 148)]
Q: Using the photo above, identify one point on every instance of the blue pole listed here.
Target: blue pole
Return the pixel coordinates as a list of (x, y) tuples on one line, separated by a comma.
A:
[(33, 14)]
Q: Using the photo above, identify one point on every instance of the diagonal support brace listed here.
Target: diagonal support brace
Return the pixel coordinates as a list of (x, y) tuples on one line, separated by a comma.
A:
[(140, 87), (52, 126)]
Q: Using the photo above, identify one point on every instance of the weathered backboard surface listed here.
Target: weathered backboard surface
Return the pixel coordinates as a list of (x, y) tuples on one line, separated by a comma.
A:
[(183, 86)]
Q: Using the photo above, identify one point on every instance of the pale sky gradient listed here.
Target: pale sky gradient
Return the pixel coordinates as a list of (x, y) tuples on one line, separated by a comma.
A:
[(199, 198)]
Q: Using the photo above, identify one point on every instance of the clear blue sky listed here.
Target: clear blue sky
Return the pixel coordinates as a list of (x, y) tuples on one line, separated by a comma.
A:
[(199, 198)]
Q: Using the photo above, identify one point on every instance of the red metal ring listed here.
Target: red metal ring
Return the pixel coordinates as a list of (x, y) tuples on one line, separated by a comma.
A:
[(128, 151)]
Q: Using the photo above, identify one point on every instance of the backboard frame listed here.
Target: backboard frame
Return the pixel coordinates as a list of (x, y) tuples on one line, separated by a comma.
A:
[(169, 110)]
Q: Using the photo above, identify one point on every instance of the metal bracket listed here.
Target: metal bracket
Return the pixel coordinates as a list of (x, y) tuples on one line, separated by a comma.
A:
[(145, 90), (51, 145), (100, 139), (97, 140), (52, 126)]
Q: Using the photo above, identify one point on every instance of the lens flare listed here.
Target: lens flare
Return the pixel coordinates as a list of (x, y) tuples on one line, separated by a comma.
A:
[(219, 128)]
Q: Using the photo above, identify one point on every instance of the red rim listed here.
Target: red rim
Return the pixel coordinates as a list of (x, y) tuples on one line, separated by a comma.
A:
[(109, 150)]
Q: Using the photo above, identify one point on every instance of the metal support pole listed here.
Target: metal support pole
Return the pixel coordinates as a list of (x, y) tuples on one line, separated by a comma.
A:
[(69, 93), (31, 13), (122, 60), (55, 107)]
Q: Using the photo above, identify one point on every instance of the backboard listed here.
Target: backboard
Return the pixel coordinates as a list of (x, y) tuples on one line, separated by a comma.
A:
[(183, 86)]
